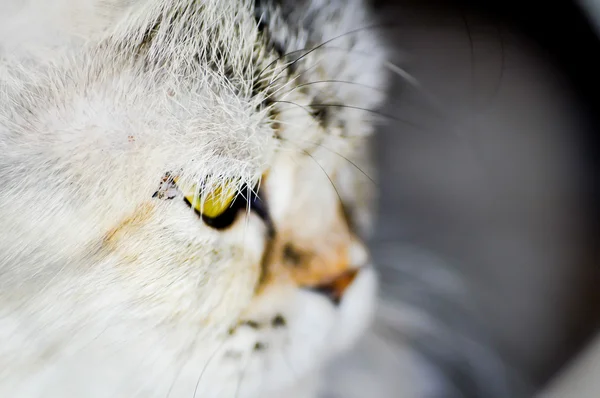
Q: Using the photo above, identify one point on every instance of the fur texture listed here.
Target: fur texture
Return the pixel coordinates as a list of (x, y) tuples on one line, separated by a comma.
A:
[(107, 291)]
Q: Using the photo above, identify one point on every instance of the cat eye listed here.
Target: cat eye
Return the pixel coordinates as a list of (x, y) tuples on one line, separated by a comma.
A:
[(218, 206), (210, 203)]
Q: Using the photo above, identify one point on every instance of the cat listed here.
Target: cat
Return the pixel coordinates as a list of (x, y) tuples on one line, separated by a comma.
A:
[(183, 199)]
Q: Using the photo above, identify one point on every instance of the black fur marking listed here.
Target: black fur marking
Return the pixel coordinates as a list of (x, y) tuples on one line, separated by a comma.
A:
[(291, 255), (326, 291), (278, 321), (320, 112), (251, 324), (261, 15)]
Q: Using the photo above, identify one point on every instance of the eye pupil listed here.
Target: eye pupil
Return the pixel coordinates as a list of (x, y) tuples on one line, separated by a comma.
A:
[(222, 221)]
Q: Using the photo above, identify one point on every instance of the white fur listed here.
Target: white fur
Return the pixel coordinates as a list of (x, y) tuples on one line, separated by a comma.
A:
[(106, 292)]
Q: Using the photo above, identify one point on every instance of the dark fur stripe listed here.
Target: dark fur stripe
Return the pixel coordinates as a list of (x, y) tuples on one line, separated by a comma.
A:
[(261, 15)]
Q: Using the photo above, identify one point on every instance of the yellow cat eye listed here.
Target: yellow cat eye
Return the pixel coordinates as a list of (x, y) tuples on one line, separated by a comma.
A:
[(211, 203)]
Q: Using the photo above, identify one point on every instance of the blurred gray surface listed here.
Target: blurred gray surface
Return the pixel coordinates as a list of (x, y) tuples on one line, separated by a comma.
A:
[(485, 177)]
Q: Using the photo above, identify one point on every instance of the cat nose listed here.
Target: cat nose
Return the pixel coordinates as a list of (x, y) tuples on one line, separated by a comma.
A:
[(334, 288)]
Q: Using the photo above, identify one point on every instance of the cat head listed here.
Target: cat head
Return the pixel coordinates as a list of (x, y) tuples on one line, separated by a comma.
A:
[(185, 182)]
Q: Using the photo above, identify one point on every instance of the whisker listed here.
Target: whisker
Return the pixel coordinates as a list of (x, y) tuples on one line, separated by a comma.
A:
[(414, 82), (241, 378), (346, 50), (402, 73), (321, 167), (336, 153), (435, 106), (358, 30), (288, 83), (260, 74), (295, 104), (340, 81), (289, 122), (376, 112), (331, 81), (182, 364), (397, 70), (212, 356)]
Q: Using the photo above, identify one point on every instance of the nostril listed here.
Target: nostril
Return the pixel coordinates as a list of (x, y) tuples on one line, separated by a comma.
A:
[(334, 289)]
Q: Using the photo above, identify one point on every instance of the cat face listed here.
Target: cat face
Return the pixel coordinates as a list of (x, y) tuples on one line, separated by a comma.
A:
[(182, 199)]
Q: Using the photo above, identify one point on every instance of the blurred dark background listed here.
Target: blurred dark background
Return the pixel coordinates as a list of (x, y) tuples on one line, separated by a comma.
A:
[(488, 208)]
